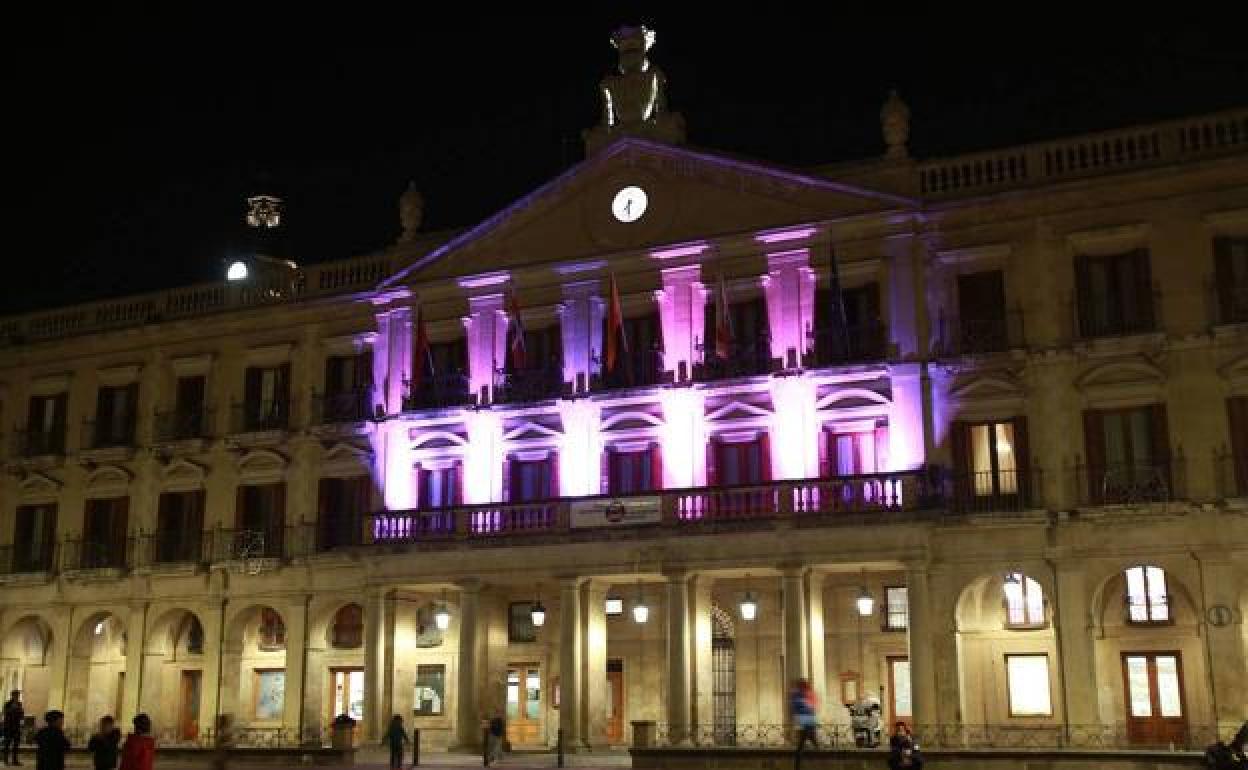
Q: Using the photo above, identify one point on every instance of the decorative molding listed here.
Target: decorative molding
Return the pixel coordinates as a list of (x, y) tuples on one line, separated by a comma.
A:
[(1131, 382), (576, 268), (619, 417), (269, 354), (1227, 221), (182, 475), (39, 487), (108, 478), (50, 384), (990, 252), (728, 410), (349, 344), (260, 466), (191, 366), (1100, 241), (115, 376), (484, 280)]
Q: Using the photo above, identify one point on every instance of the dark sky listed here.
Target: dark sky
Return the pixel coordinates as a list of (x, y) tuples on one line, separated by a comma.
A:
[(129, 162)]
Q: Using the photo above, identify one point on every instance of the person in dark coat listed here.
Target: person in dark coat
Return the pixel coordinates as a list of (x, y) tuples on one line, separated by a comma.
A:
[(903, 753), (105, 745), (1229, 756), (396, 738), (51, 743), (14, 717)]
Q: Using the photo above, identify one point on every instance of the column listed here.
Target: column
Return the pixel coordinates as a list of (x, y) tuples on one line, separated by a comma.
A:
[(790, 292), (796, 662), (934, 682), (374, 662), (703, 679), (467, 715), (136, 632), (296, 619), (486, 329), (918, 630), (594, 614), (816, 643), (387, 676), (1074, 634), (1223, 632), (62, 646), (571, 662), (392, 357), (681, 303), (679, 710), (212, 618)]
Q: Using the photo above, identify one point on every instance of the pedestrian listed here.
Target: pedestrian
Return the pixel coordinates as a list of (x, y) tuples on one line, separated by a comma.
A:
[(14, 718), (903, 752), (802, 704), (51, 743), (105, 745), (1229, 756), (139, 751), (395, 738), (498, 729)]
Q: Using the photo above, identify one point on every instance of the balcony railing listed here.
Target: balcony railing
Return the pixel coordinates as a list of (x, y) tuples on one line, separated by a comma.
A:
[(80, 554), (636, 368), (1230, 304), (39, 443), (170, 546), (1096, 317), (1231, 472), (960, 337), (440, 391), (260, 416), (1130, 484), (274, 542), (347, 406), (520, 386), (183, 426), (98, 434), (27, 559), (994, 491), (745, 358), (859, 343)]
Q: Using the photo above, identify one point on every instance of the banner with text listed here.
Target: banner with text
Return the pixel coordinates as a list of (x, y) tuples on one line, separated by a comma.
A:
[(615, 512)]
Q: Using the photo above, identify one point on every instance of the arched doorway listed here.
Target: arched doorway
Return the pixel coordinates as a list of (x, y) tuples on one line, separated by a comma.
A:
[(24, 656), (723, 678), (97, 671), (253, 683), (173, 685)]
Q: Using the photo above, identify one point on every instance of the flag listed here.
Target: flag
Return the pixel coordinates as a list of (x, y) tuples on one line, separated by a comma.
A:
[(516, 330), (723, 322), (615, 328), (422, 353)]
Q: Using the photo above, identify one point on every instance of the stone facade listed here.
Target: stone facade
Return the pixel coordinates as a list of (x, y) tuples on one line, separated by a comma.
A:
[(1035, 378)]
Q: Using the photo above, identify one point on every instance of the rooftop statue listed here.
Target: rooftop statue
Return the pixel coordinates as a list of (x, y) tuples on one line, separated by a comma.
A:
[(634, 100)]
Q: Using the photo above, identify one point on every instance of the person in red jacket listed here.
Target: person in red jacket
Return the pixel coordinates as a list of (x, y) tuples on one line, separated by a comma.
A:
[(139, 751)]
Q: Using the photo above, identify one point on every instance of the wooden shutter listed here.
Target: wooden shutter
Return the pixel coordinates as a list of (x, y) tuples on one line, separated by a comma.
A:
[(1143, 289), (552, 464), (712, 461), (1083, 295), (104, 409), (325, 499), (1022, 459), (1224, 278), (881, 448), (35, 414), (826, 468), (656, 466), (1094, 445), (764, 456), (963, 466), (333, 375), (240, 508), (364, 370), (1161, 444), (120, 523), (132, 410), (251, 386), (283, 391), (195, 513), (49, 532), (509, 469), (1237, 419), (607, 483), (277, 521)]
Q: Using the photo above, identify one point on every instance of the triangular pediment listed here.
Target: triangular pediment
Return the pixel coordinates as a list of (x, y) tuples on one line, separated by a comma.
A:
[(689, 195)]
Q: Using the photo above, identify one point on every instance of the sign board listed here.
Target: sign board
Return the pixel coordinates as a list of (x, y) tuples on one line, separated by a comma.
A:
[(615, 512)]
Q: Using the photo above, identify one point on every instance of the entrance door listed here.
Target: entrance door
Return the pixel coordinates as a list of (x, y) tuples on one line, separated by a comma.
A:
[(615, 701), (1154, 698), (899, 709), (348, 695), (524, 704), (723, 685), (188, 710)]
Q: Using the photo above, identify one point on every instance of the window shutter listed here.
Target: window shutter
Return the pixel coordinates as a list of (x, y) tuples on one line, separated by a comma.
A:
[(1161, 444), (1237, 418), (325, 502), (1224, 278), (333, 375), (459, 482), (132, 410), (195, 516), (273, 545), (283, 390), (240, 508), (119, 515), (825, 454), (1022, 459), (963, 467), (34, 415), (1094, 444), (1083, 295), (364, 370), (1144, 289), (607, 471), (103, 410), (251, 386), (656, 466), (764, 456), (509, 470), (881, 448), (49, 532), (552, 463), (712, 461)]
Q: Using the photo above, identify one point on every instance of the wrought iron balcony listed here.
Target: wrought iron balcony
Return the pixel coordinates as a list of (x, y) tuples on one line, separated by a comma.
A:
[(1099, 317), (170, 546), (958, 337), (525, 385), (1231, 304), (40, 443), (81, 554), (347, 406), (183, 426), (994, 491), (274, 542), (260, 416), (636, 368), (97, 434), (28, 558), (1231, 472), (744, 359), (440, 391), (1130, 484), (860, 343)]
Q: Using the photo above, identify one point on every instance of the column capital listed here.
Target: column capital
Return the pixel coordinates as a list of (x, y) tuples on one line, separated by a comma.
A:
[(469, 585), (570, 581), (676, 574), (596, 586), (794, 570)]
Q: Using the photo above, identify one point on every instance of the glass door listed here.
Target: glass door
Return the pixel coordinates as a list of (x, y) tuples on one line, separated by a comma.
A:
[(1154, 698), (524, 705)]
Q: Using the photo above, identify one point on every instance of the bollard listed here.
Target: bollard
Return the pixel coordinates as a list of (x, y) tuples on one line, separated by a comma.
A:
[(416, 747), (559, 748)]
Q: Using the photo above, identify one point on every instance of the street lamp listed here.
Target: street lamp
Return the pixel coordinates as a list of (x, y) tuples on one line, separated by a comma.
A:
[(442, 617), (614, 605), (749, 607), (641, 613), (537, 613), (866, 604)]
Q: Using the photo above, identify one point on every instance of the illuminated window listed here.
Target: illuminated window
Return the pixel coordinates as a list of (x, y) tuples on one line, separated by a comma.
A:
[(430, 695), (1147, 601), (1024, 602), (993, 463), (896, 609), (1027, 678), (348, 629)]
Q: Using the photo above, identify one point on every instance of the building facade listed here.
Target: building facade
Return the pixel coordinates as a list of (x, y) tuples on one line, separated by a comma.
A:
[(969, 435)]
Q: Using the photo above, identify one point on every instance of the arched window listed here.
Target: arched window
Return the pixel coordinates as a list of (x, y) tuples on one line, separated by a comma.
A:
[(1024, 602), (193, 632), (272, 634), (348, 629), (1147, 601)]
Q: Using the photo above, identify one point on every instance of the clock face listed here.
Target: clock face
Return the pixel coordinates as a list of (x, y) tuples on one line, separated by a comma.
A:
[(629, 204)]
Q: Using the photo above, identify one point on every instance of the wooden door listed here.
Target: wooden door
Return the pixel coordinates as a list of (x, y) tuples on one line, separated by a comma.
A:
[(347, 696), (188, 710), (524, 705), (899, 708), (615, 701), (1153, 684)]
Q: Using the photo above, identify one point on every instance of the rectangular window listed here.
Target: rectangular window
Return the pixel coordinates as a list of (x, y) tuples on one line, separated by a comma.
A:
[(981, 312), (632, 473), (104, 533), (520, 628), (180, 521), (639, 359), (188, 408), (348, 388), (1115, 294), (851, 454), (896, 609), (532, 480), (341, 506), (430, 694), (1237, 421), (45, 427), (266, 398), (994, 466), (34, 538), (261, 516), (861, 338), (1024, 602), (1128, 454), (741, 463), (1231, 277), (1147, 601), (270, 694), (440, 487), (116, 411), (1027, 678)]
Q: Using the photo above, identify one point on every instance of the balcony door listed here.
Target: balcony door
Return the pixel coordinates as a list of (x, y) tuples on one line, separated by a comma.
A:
[(260, 518), (1128, 454), (179, 526), (1155, 710), (991, 463), (104, 533)]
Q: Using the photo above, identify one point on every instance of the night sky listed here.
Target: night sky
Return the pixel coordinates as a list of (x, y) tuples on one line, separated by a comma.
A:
[(129, 165)]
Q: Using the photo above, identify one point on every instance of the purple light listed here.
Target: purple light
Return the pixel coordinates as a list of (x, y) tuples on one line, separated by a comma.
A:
[(781, 236), (688, 250)]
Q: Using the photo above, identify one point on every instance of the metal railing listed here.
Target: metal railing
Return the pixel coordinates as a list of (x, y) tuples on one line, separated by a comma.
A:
[(1132, 484), (998, 491), (1231, 474), (40, 443), (108, 435), (745, 358), (260, 416), (170, 546), (1230, 303), (858, 343), (1095, 317), (979, 336), (22, 559), (347, 406), (524, 385), (183, 426), (81, 554), (439, 391), (274, 542), (636, 368)]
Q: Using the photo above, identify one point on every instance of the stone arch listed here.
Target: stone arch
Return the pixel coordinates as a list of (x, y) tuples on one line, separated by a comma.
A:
[(108, 481), (97, 675), (261, 466), (980, 606), (1110, 589), (253, 664), (26, 653), (173, 673)]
